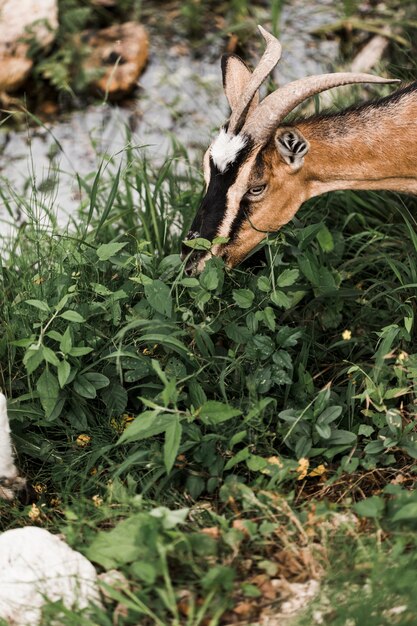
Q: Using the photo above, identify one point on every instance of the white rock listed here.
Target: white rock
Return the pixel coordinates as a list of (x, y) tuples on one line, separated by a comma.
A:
[(36, 566), (10, 481), (38, 17), (20, 22), (7, 466)]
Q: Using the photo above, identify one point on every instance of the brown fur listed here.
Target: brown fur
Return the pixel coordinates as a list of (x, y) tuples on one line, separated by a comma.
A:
[(373, 146)]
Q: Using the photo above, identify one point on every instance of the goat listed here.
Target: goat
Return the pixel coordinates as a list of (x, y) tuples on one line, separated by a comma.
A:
[(259, 172)]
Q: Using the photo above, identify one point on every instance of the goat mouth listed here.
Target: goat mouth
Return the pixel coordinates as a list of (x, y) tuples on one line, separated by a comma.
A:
[(193, 260)]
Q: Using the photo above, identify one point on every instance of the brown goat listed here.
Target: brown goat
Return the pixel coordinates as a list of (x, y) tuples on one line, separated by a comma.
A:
[(259, 172)]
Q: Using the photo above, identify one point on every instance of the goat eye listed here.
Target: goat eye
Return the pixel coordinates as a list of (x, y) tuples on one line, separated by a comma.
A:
[(256, 191)]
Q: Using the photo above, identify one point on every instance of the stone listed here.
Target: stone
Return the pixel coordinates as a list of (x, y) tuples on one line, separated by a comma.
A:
[(20, 23), (118, 54), (37, 566), (10, 481)]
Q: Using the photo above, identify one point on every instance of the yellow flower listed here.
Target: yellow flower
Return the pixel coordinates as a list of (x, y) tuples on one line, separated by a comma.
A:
[(83, 440), (114, 423), (120, 424), (39, 488), (318, 471), (275, 460), (346, 335), (34, 513), (149, 351), (127, 419), (402, 356), (98, 500), (302, 468)]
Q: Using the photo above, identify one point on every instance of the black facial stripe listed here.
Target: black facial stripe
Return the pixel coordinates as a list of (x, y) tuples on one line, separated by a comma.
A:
[(214, 204)]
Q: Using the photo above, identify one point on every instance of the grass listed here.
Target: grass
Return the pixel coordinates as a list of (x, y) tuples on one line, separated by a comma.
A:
[(216, 438), (251, 392)]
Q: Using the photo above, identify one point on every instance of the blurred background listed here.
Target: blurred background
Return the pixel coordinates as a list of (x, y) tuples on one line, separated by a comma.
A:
[(82, 79)]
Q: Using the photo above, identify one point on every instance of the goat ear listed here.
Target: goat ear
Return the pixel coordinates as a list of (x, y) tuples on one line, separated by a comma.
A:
[(292, 147), (236, 76)]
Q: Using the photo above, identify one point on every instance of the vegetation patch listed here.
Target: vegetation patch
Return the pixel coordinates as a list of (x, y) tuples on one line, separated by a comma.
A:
[(166, 419), (217, 439)]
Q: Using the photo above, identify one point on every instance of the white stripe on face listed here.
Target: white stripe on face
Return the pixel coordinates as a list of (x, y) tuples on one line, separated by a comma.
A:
[(235, 195), (225, 149), (206, 168)]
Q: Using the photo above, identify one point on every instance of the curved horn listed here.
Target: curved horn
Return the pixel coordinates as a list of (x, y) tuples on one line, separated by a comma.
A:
[(272, 110), (236, 76), (269, 59)]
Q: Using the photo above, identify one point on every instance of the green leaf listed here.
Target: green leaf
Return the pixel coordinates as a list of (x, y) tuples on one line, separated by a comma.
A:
[(325, 239), (264, 284), (240, 456), (123, 544), (287, 277), (38, 304), (50, 356), (63, 370), (411, 450), (48, 389), (33, 358), (237, 438), (209, 278), (101, 290), (195, 485), (219, 577), (269, 317), (147, 424), (256, 463), (99, 381), (329, 415), (168, 341), (365, 430), (62, 302), (159, 297), (115, 398), (83, 387), (406, 512), (342, 437), (72, 316), (214, 412), (237, 333), (80, 351), (172, 443), (197, 394), (107, 250), (374, 447), (370, 507), (189, 282), (144, 571), (66, 342), (323, 430), (199, 243), (243, 298), (279, 298), (408, 323)]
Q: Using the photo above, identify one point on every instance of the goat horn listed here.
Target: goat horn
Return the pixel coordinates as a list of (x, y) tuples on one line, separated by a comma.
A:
[(272, 110), (269, 59)]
